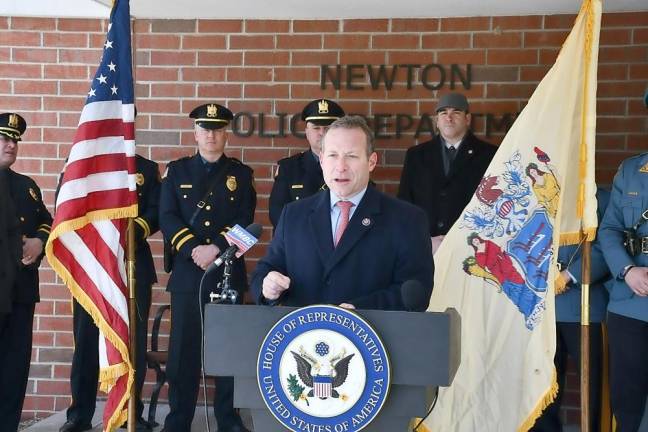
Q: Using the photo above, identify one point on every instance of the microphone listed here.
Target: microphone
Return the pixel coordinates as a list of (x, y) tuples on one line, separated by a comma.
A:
[(413, 296), (242, 239)]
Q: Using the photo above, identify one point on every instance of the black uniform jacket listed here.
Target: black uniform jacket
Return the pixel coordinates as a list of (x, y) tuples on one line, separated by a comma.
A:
[(35, 222), (232, 201), (424, 183), (10, 245), (146, 223), (299, 176)]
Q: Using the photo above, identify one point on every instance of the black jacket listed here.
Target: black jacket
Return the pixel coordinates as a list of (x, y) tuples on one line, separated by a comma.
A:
[(424, 183), (35, 222), (299, 176), (10, 245), (232, 201)]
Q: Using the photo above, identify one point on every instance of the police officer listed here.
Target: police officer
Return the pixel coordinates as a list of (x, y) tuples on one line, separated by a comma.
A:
[(624, 238), (441, 175), (35, 225), (202, 197), (568, 317), (300, 175), (10, 246), (85, 361)]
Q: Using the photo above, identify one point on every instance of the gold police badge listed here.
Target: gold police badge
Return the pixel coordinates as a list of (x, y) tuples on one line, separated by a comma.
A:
[(231, 183), (322, 107), (32, 192), (139, 179), (212, 111), (13, 120)]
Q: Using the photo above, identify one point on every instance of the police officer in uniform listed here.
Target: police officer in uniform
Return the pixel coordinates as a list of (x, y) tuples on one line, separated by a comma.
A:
[(441, 175), (300, 175), (624, 238), (16, 327), (10, 246), (202, 197), (84, 374)]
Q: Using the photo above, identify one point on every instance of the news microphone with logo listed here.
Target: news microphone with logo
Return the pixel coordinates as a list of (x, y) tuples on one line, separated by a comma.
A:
[(413, 296), (241, 240)]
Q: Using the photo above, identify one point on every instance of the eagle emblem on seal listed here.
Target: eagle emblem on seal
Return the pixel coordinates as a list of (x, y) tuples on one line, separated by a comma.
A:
[(321, 377)]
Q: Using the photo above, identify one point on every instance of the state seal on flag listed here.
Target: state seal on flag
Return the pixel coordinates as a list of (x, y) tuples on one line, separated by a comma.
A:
[(323, 368)]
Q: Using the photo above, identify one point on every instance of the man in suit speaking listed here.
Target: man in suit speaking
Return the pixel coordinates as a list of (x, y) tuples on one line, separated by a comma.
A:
[(350, 245)]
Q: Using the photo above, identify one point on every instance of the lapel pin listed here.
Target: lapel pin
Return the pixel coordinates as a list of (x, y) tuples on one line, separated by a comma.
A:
[(366, 221), (470, 152)]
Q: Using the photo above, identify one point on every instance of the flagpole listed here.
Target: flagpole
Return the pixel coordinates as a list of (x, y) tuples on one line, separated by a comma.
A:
[(585, 335), (132, 303), (132, 319)]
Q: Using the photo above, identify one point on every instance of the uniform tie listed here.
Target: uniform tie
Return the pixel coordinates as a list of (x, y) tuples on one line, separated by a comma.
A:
[(345, 210)]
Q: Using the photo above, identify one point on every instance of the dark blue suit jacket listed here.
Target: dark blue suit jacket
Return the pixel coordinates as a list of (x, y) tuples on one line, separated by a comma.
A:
[(386, 243)]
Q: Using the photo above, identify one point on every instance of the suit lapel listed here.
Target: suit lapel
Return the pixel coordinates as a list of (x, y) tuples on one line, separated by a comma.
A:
[(320, 223), (361, 222), (466, 152), (434, 159)]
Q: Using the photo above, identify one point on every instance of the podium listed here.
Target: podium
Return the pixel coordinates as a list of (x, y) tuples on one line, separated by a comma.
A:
[(424, 352)]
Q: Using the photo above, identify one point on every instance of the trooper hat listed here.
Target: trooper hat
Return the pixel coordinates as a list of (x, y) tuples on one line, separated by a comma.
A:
[(211, 116), (453, 100), (12, 125), (322, 112)]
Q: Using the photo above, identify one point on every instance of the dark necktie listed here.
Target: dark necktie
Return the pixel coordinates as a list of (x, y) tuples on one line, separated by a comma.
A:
[(452, 152)]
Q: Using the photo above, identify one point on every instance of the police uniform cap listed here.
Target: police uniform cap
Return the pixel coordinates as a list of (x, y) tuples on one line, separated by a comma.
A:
[(322, 112), (12, 125), (211, 116), (453, 100)]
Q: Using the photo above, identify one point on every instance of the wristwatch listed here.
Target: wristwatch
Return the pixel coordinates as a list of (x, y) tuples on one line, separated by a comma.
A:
[(625, 271)]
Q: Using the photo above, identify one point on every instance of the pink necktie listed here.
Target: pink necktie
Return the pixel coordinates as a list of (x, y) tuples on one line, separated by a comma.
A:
[(345, 210)]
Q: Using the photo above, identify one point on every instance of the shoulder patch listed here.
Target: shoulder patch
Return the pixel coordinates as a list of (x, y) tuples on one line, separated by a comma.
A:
[(644, 169)]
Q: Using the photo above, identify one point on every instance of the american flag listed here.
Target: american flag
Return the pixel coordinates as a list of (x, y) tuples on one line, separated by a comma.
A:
[(96, 196)]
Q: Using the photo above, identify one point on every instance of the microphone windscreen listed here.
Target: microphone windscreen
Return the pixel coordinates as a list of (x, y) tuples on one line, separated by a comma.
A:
[(255, 229), (413, 296)]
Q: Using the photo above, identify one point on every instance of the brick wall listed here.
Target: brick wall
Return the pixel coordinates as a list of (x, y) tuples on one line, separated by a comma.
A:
[(273, 67)]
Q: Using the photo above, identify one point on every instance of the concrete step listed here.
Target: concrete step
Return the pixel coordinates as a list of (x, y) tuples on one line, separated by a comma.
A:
[(54, 422)]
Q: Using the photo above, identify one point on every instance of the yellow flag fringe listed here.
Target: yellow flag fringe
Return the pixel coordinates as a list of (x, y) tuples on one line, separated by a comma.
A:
[(544, 402), (107, 377)]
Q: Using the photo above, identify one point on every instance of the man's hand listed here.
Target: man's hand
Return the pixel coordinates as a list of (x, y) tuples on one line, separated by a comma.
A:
[(637, 280), (436, 242), (204, 255), (274, 284), (347, 306), (31, 250)]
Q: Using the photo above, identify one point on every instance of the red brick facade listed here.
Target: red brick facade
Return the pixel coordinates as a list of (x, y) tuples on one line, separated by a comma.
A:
[(272, 67)]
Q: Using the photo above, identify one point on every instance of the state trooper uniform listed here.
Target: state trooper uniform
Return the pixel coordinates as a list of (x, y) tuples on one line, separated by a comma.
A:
[(16, 327), (84, 375), (300, 176), (626, 221), (627, 311), (200, 201)]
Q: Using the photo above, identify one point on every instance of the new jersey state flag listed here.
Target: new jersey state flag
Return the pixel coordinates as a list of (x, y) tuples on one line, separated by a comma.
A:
[(497, 263)]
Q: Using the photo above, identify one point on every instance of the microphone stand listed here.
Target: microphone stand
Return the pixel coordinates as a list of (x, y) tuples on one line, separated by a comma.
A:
[(226, 293)]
